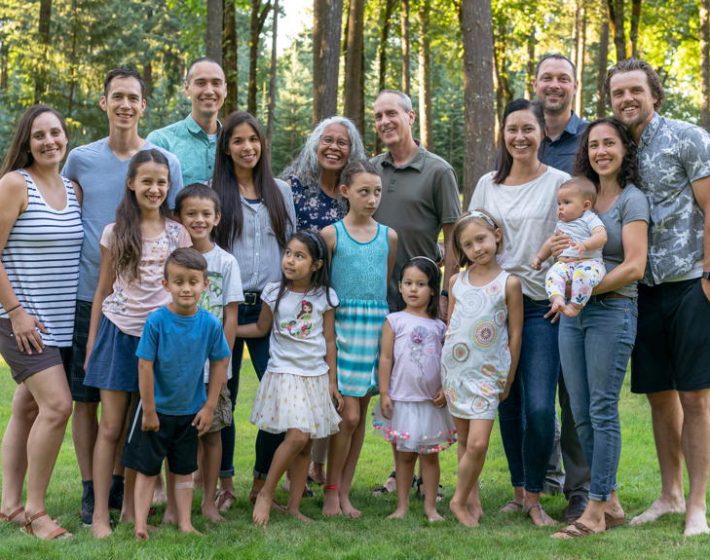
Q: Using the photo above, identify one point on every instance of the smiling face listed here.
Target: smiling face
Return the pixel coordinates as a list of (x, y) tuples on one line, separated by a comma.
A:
[(333, 149), (123, 103), (392, 123), (185, 286), (48, 141), (606, 151), (244, 147), (206, 88), (199, 217), (555, 85), (631, 99), (522, 135), (150, 185), (363, 194)]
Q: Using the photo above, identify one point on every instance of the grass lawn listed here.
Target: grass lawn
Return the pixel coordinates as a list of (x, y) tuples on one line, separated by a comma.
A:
[(499, 536)]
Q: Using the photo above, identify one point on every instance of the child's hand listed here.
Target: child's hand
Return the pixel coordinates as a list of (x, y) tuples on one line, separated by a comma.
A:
[(579, 248), (506, 392), (439, 399), (386, 406), (337, 398), (203, 420), (536, 263), (150, 421)]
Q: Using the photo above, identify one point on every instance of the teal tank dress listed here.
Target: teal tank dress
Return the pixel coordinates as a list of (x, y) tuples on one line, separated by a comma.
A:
[(359, 277)]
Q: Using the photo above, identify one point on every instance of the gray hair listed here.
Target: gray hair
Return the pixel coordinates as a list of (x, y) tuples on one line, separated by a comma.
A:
[(305, 166), (404, 100)]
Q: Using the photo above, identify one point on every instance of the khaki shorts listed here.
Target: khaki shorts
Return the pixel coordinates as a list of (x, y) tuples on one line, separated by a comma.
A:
[(222, 412), (22, 365)]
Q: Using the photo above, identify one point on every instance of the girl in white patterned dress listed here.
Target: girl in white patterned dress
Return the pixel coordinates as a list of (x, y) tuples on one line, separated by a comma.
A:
[(481, 350)]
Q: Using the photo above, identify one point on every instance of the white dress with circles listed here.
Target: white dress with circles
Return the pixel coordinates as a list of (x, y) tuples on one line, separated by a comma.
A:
[(475, 359)]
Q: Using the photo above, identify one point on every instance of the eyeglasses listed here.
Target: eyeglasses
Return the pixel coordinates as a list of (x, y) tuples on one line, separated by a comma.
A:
[(329, 141)]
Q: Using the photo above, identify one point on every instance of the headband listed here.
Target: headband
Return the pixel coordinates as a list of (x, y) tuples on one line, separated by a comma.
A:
[(425, 258), (318, 241), (483, 216)]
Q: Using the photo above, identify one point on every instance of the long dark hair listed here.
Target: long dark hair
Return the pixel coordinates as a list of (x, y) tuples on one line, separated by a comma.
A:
[(504, 161), (318, 251), (433, 274), (127, 244), (628, 172), (224, 182), (18, 154)]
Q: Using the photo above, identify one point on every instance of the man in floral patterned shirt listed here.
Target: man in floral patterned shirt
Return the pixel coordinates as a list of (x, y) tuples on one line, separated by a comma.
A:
[(671, 360)]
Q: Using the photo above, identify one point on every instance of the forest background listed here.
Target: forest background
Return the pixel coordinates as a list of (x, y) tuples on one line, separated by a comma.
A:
[(460, 60)]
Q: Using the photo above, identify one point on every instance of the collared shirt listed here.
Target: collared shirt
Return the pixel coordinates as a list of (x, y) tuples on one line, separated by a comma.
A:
[(417, 199), (562, 152), (257, 250), (193, 147), (672, 155)]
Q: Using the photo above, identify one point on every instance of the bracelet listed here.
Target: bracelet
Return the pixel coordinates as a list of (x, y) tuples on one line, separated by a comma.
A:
[(8, 311)]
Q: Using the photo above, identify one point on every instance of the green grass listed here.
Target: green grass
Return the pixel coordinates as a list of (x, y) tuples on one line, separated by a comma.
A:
[(499, 536)]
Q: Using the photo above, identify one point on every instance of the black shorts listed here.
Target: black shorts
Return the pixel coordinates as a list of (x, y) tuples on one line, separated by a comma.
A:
[(672, 350), (75, 372), (176, 440)]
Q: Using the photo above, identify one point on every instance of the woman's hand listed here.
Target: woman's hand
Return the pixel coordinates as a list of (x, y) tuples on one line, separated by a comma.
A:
[(559, 242), (26, 330), (386, 406)]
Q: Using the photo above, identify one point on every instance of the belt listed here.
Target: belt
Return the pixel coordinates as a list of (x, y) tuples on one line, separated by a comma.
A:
[(608, 295), (251, 298)]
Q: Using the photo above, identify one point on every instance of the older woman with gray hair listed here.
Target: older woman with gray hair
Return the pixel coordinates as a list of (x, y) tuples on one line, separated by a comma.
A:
[(315, 173)]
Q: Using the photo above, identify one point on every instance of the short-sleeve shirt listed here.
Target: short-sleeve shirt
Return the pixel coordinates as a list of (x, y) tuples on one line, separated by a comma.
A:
[(297, 344), (102, 178), (630, 206), (315, 209), (193, 147), (416, 373), (579, 230), (672, 155), (527, 214), (562, 152), (131, 301), (178, 346), (417, 199)]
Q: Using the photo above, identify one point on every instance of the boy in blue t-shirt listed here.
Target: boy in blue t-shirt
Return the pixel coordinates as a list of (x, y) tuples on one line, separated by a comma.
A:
[(175, 407)]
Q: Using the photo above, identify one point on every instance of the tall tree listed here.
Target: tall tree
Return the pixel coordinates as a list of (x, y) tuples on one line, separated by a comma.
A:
[(406, 64), (229, 55), (634, 30), (705, 62), (272, 72), (45, 20), (327, 23), (580, 44), (425, 123), (386, 10), (259, 12), (602, 63), (213, 35), (616, 24), (479, 120), (354, 103)]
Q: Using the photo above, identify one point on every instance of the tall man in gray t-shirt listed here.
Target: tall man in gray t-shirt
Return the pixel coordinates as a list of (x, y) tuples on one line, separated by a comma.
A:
[(670, 362)]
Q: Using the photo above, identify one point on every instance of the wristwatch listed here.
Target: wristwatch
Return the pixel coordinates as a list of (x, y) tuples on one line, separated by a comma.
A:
[(706, 275)]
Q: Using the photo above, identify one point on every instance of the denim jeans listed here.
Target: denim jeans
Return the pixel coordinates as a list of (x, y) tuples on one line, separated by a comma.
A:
[(595, 348), (266, 443), (527, 416)]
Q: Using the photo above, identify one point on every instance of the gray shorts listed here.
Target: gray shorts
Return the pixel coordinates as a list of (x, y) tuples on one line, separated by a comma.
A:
[(22, 365)]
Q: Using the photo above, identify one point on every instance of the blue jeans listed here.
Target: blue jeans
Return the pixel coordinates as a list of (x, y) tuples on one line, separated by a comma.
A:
[(527, 416), (595, 348), (266, 443)]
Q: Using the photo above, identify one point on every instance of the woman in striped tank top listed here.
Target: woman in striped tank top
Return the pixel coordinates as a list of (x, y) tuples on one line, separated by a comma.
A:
[(40, 239)]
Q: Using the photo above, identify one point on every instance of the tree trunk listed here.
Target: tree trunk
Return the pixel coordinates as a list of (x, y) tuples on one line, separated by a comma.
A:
[(229, 55), (213, 36), (424, 76), (382, 56), (327, 23), (580, 46), (272, 73), (45, 19), (257, 20), (406, 66), (601, 67), (479, 120), (616, 24), (354, 105), (634, 31), (503, 90), (532, 59), (73, 58), (705, 62)]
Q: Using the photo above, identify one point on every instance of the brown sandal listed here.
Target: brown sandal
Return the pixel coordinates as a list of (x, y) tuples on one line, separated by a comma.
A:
[(513, 506), (225, 500), (613, 522), (574, 531), (13, 517), (58, 533)]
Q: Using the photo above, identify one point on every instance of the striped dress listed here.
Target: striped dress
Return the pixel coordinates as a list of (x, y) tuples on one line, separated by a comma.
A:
[(41, 259), (359, 277)]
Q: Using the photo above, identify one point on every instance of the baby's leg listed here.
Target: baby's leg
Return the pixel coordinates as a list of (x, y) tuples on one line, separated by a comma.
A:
[(184, 486), (144, 486), (430, 475), (404, 467), (556, 285), (211, 444), (586, 275), (298, 471)]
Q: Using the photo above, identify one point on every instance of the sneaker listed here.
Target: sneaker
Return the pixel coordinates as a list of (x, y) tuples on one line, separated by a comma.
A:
[(87, 503), (115, 496)]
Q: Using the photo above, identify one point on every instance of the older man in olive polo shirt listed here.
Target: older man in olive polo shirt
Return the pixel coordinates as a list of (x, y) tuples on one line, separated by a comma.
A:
[(194, 139)]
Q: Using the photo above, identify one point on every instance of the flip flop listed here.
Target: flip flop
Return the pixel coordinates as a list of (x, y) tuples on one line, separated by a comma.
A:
[(512, 506), (13, 517), (225, 500), (60, 533), (573, 531)]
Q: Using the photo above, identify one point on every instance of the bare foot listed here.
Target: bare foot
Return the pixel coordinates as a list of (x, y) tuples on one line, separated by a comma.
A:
[(296, 514), (462, 514), (558, 304), (262, 510), (101, 529), (210, 512), (476, 511), (399, 513), (538, 516), (433, 516), (141, 535), (316, 474), (348, 509), (696, 523), (169, 518), (331, 503), (658, 509), (571, 310), (189, 530)]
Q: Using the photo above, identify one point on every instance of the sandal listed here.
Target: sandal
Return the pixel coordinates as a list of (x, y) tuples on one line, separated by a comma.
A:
[(573, 531), (387, 487), (419, 484), (13, 517), (225, 500), (614, 522), (542, 513), (513, 506), (58, 533)]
